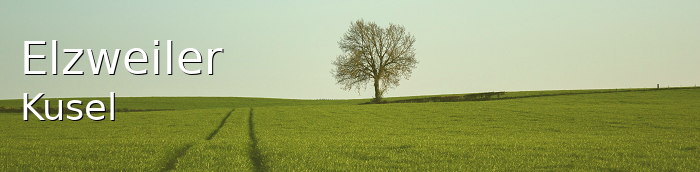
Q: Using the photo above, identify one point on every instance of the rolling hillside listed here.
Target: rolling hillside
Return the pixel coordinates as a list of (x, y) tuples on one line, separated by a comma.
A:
[(602, 130)]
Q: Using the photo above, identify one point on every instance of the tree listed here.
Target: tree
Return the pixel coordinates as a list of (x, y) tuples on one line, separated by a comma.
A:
[(373, 54)]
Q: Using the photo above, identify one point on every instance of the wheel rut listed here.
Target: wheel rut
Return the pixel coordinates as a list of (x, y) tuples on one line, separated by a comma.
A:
[(220, 126), (171, 162), (254, 153)]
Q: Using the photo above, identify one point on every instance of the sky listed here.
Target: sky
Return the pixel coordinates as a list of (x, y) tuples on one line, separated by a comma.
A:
[(284, 49)]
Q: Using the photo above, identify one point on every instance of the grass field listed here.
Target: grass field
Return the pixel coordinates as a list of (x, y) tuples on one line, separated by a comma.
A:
[(601, 130)]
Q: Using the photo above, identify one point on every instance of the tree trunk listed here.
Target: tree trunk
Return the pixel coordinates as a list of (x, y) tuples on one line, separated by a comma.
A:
[(377, 96)]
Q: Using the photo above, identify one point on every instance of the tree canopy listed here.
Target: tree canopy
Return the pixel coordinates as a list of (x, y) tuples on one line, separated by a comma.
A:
[(372, 54)]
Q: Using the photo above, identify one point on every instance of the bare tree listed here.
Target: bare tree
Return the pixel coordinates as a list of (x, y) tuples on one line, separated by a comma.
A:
[(374, 54)]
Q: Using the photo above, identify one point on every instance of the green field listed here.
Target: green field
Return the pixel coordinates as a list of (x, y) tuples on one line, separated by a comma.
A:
[(592, 130)]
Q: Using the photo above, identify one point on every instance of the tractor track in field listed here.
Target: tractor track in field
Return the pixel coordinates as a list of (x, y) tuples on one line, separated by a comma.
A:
[(254, 153), (171, 163), (220, 126)]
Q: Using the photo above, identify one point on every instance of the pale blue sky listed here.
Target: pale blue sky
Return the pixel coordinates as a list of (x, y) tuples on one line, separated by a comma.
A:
[(284, 49)]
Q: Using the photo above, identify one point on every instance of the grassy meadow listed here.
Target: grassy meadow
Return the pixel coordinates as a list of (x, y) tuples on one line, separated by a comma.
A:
[(565, 130)]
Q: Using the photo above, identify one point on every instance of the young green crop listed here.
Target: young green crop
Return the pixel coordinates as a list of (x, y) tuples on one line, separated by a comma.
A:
[(138, 141), (628, 131), (228, 150), (612, 131), (187, 103)]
